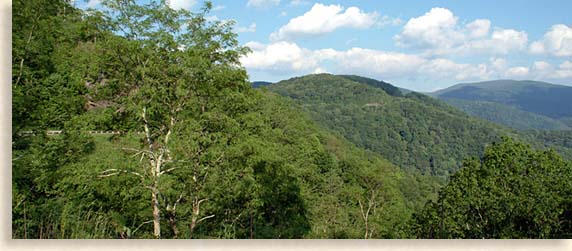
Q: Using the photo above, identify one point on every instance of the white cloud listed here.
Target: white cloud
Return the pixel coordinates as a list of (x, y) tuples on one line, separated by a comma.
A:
[(444, 69), (437, 28), (322, 19), (479, 28), (518, 72), (319, 70), (502, 41), (541, 66), (543, 71), (250, 28), (438, 32), (557, 41), (279, 57), (262, 3), (181, 4), (93, 3), (387, 20), (497, 64), (298, 2), (371, 62), (566, 65), (351, 41), (219, 7), (212, 18), (564, 71), (286, 59)]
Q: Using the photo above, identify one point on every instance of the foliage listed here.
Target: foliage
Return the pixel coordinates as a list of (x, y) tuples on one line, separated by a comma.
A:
[(512, 192), (535, 97), (388, 88), (238, 162), (507, 115), (560, 141), (415, 132)]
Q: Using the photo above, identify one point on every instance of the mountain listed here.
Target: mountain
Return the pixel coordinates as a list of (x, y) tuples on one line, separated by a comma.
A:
[(388, 88), (517, 104), (507, 115), (413, 131), (258, 84)]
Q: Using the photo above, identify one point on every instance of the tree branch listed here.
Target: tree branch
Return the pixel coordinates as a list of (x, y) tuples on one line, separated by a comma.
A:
[(168, 170), (146, 222), (204, 218), (113, 171)]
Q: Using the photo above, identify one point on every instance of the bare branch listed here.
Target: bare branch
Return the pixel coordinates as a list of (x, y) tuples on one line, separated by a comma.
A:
[(204, 218), (168, 170), (146, 222), (113, 171), (147, 131)]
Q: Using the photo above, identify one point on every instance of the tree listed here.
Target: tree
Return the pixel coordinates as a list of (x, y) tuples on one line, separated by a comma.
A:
[(513, 192), (171, 64)]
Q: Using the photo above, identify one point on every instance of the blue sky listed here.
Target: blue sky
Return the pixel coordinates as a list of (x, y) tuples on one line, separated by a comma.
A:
[(419, 45)]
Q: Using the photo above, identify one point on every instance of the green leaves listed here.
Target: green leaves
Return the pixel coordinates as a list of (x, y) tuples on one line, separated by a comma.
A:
[(514, 192)]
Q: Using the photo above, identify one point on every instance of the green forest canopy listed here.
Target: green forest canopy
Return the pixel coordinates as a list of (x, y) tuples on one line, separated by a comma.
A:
[(201, 153)]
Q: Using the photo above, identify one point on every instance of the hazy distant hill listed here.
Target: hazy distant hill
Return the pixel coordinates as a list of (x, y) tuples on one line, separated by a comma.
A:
[(257, 84), (518, 104), (507, 115)]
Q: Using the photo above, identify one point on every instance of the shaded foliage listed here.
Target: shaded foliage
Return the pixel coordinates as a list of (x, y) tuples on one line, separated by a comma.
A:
[(512, 192), (415, 132)]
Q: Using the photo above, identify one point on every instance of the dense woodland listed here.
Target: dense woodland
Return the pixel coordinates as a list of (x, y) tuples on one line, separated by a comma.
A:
[(521, 104), (413, 131), (201, 154)]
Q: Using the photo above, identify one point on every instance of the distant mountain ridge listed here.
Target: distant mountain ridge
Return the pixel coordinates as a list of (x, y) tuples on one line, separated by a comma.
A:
[(258, 84), (522, 104)]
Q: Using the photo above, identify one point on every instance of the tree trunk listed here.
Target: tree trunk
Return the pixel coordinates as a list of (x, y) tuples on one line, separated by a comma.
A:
[(156, 212), (173, 224)]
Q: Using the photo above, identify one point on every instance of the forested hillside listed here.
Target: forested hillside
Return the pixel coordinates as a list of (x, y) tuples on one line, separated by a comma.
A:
[(197, 152), (517, 104), (507, 115), (415, 131), (200, 154), (512, 192)]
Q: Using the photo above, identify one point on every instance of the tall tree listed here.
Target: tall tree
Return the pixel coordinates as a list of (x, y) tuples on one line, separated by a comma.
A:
[(171, 64), (513, 192)]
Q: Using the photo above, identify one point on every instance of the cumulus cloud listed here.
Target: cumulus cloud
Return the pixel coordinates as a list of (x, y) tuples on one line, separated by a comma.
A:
[(250, 28), (283, 56), (262, 3), (181, 4), (279, 57), (370, 62), (219, 7), (498, 64), (93, 3), (298, 2), (518, 72), (502, 41), (557, 41), (322, 19), (478, 28), (438, 32), (435, 28), (564, 70), (387, 20), (542, 70), (444, 68)]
